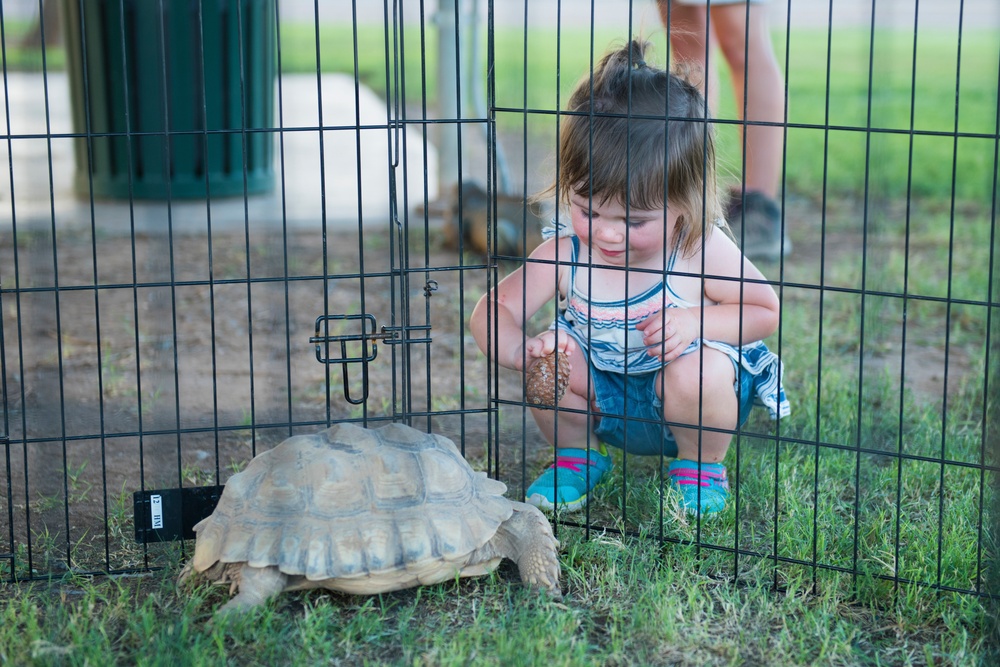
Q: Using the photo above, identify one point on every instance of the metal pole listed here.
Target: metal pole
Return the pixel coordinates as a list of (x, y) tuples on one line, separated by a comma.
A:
[(447, 93)]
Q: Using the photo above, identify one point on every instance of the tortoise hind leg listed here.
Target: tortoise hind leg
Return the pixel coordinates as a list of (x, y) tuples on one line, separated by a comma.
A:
[(527, 539), (256, 585)]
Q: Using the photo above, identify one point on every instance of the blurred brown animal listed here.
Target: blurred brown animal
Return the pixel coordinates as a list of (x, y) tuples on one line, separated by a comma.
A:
[(518, 224)]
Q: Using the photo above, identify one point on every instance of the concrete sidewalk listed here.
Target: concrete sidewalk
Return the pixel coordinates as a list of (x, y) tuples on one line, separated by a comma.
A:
[(300, 193)]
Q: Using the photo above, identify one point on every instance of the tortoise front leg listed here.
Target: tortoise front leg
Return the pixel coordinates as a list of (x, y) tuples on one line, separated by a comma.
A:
[(527, 539)]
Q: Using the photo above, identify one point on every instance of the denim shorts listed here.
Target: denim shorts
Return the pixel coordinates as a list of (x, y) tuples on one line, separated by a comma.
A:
[(631, 414)]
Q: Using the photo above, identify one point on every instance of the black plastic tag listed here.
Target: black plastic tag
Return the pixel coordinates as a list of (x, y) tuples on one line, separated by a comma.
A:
[(166, 515)]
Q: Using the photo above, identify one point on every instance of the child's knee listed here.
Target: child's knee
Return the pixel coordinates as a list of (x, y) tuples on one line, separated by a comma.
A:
[(706, 367), (699, 385)]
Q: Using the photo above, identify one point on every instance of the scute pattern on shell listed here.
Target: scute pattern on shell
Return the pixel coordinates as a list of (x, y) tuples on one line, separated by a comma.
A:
[(353, 502)]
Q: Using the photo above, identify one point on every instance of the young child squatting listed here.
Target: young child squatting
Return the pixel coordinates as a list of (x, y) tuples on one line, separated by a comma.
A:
[(660, 314)]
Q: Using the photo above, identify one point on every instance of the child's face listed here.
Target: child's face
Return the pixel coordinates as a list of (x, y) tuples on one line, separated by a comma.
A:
[(641, 237)]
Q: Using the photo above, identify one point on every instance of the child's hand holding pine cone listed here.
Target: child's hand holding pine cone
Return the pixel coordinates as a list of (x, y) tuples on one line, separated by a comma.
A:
[(547, 379)]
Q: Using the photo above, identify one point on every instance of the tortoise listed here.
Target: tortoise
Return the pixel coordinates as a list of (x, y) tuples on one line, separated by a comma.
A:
[(365, 511)]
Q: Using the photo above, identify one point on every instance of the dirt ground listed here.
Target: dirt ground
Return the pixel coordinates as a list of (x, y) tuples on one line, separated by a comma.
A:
[(154, 380)]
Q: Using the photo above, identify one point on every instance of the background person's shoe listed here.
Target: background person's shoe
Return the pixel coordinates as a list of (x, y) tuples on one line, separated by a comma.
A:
[(755, 220)]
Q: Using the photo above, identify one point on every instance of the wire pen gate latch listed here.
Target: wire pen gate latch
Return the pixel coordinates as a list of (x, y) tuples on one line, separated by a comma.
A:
[(368, 337)]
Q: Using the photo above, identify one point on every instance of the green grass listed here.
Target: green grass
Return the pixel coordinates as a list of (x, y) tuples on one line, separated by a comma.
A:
[(829, 498), (17, 57), (535, 71), (623, 607), (913, 84)]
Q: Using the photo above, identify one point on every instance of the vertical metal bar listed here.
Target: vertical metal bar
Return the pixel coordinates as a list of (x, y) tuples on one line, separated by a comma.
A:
[(589, 259), (661, 477), (991, 389), (285, 269), (448, 96), (97, 307), (4, 411), (321, 138), (425, 145), (493, 443), (781, 255), (4, 407), (459, 176), (168, 148), (3, 349), (949, 293), (906, 289), (210, 247), (398, 245), (130, 141), (493, 277), (56, 291), (991, 383), (358, 171), (822, 294), (85, 81), (627, 273), (241, 60), (866, 224)]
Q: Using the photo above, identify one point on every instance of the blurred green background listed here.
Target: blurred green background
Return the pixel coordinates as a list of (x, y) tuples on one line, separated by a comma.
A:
[(840, 83), (913, 91)]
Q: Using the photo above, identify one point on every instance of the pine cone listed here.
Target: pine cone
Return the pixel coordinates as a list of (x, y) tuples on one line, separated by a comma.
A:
[(543, 385)]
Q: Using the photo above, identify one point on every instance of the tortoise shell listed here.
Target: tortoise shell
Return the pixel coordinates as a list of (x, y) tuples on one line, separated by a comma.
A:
[(353, 502)]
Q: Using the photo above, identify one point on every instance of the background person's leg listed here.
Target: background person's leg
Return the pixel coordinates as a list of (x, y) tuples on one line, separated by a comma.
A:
[(742, 33), (744, 37), (688, 28)]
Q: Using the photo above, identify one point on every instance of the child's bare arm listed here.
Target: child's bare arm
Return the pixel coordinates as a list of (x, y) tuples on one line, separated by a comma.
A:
[(513, 301), (744, 311), (747, 307)]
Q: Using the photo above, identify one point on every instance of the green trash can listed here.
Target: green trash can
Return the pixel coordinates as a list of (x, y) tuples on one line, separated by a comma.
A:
[(175, 98)]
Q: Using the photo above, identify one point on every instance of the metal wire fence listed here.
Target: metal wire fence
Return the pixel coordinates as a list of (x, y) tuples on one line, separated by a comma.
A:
[(196, 264)]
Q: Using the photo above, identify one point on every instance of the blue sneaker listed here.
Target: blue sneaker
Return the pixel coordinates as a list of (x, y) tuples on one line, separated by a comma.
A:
[(686, 478), (574, 480)]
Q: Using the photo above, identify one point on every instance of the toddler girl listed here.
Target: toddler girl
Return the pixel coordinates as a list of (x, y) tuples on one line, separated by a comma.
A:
[(660, 314)]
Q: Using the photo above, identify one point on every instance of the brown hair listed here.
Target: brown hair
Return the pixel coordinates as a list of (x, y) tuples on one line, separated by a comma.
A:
[(636, 130)]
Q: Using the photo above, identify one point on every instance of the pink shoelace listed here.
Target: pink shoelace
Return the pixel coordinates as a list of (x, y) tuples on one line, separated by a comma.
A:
[(572, 463), (693, 476)]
